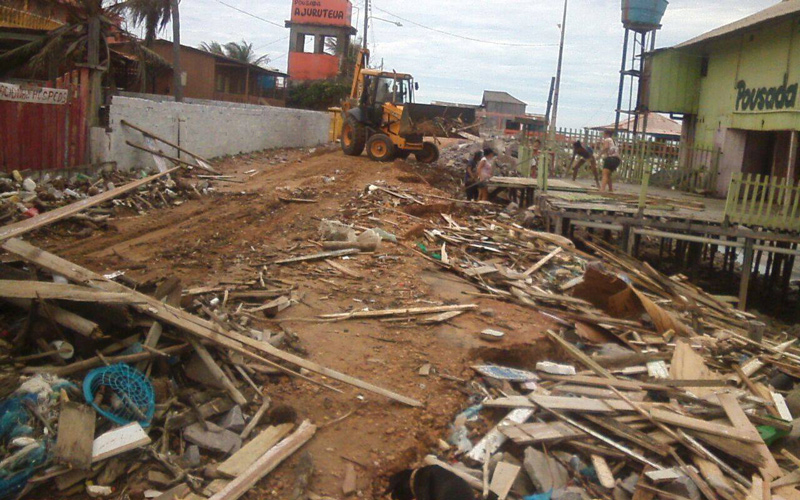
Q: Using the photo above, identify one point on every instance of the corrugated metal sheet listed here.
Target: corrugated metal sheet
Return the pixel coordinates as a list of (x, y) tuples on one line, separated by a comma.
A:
[(674, 82), (776, 12)]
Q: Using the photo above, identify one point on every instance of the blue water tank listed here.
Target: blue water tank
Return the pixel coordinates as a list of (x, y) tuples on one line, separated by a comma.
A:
[(643, 14)]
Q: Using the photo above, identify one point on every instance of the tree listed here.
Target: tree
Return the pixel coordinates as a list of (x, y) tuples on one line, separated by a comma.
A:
[(213, 47), (177, 75), (241, 51), (154, 15)]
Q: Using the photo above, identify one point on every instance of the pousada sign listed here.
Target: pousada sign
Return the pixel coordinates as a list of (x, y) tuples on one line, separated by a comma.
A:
[(323, 12), (756, 99)]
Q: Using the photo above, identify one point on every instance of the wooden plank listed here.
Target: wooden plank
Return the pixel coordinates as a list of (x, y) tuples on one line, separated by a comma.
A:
[(189, 322), (495, 438), (64, 318), (344, 269), (542, 262), (411, 311), (572, 404), (267, 463), (580, 356), (319, 256), (217, 372), (118, 441), (540, 432), (503, 479), (604, 475), (240, 461), (668, 417), (22, 227), (14, 289), (75, 435), (201, 162), (627, 432), (739, 419)]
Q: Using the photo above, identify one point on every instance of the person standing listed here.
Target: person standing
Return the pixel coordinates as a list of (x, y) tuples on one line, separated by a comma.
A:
[(611, 160), (485, 172), (585, 154), (471, 176)]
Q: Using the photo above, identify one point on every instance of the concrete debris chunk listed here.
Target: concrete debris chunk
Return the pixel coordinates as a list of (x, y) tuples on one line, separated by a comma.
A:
[(555, 368), (545, 472), (233, 420), (214, 439)]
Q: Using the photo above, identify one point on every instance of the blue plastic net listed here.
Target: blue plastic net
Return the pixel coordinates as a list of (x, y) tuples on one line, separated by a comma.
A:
[(13, 414), (134, 401)]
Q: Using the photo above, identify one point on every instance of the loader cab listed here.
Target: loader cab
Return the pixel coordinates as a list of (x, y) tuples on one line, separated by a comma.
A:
[(380, 88)]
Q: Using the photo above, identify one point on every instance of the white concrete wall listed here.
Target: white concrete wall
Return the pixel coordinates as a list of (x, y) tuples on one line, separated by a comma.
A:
[(207, 130)]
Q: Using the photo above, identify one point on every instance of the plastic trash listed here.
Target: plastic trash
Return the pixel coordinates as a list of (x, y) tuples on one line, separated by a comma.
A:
[(369, 239), (332, 230), (133, 398), (385, 235)]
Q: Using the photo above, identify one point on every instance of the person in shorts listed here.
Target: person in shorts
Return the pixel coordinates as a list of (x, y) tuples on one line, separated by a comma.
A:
[(611, 160)]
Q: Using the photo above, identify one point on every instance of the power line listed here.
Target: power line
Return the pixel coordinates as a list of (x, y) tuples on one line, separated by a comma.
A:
[(471, 39), (249, 14), (272, 42)]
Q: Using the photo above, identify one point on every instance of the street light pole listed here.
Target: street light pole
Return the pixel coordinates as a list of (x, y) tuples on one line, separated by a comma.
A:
[(366, 28)]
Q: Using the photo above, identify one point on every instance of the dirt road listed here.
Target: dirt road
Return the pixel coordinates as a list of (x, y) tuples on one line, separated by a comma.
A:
[(228, 237)]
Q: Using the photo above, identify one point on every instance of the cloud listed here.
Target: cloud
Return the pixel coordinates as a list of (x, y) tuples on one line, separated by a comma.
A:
[(453, 69)]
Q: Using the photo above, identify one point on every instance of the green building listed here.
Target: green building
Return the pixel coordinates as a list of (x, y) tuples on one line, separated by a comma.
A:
[(737, 90)]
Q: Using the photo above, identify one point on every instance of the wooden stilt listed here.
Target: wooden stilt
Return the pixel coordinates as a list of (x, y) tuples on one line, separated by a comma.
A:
[(747, 268)]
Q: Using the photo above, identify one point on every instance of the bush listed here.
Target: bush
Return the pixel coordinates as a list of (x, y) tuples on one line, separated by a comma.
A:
[(319, 95)]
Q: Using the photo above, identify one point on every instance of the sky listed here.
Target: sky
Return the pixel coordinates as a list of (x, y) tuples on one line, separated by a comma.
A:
[(449, 68)]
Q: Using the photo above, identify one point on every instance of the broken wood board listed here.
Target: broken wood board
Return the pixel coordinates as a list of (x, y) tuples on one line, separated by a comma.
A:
[(627, 432), (739, 419), (240, 461), (440, 318), (266, 463), (542, 262), (604, 475), (580, 356), (540, 432), (494, 439), (687, 364), (42, 290), (319, 256), (344, 269), (503, 479), (62, 317), (671, 418), (188, 322), (118, 441), (201, 162), (411, 311), (75, 435), (22, 227)]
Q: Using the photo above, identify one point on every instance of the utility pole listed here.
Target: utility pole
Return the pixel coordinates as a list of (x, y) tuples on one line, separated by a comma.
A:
[(549, 151), (366, 28), (558, 73), (177, 76)]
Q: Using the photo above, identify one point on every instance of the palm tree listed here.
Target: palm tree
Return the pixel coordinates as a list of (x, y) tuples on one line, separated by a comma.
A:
[(241, 51), (213, 47), (154, 15)]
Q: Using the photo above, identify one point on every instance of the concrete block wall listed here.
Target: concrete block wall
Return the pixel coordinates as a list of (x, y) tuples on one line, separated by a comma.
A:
[(207, 130)]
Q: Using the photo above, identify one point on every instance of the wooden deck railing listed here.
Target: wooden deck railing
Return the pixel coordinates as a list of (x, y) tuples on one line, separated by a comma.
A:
[(762, 200)]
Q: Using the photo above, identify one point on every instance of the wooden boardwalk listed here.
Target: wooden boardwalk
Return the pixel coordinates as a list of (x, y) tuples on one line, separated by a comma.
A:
[(696, 226)]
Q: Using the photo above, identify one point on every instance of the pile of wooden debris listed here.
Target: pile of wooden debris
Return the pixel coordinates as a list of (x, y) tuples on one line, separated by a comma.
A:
[(660, 389)]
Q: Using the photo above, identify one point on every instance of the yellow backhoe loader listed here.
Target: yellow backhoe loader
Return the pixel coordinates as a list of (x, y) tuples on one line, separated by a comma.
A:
[(381, 116)]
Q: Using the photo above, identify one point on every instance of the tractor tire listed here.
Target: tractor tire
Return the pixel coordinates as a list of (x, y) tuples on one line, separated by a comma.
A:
[(429, 153), (354, 137), (380, 148)]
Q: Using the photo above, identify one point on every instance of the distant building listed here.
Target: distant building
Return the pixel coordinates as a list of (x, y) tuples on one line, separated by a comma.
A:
[(529, 124), (319, 38), (658, 127), (498, 108), (216, 77), (737, 89)]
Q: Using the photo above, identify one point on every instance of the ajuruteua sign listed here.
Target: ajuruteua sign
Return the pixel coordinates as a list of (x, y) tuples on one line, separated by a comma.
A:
[(324, 12), (782, 98)]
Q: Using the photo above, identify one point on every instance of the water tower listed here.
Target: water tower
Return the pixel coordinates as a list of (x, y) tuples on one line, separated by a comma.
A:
[(641, 19)]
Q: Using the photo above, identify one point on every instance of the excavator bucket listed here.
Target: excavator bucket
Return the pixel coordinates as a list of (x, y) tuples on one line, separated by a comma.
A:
[(436, 121)]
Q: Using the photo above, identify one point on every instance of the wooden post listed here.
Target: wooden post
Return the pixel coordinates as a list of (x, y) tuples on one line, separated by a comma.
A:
[(247, 86), (747, 268), (793, 145)]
